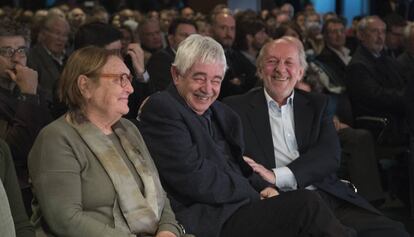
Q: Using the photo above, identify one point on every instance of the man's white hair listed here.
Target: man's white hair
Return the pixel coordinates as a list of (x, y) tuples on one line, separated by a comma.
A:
[(197, 48)]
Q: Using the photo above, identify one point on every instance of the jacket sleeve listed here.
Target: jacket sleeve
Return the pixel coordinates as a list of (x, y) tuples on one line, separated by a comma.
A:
[(168, 221), (55, 171), (29, 118), (22, 224)]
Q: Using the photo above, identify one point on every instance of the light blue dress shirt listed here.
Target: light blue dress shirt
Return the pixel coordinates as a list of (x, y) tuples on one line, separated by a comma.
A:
[(282, 124)]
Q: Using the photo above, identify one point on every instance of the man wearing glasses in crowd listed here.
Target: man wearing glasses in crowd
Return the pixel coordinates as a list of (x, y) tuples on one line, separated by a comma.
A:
[(22, 114)]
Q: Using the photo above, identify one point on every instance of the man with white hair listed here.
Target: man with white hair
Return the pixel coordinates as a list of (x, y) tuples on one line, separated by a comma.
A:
[(375, 82), (291, 139), (196, 143)]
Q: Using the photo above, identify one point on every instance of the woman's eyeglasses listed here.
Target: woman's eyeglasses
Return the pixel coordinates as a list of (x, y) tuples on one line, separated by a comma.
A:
[(123, 78)]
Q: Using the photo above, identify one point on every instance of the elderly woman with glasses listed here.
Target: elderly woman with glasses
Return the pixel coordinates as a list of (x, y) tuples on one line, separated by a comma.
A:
[(91, 171)]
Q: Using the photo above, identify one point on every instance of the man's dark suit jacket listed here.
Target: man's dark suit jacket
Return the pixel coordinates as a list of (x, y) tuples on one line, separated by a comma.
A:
[(316, 137), (238, 67), (158, 68), (20, 122), (47, 68), (407, 63), (335, 68), (205, 184), (376, 88), (375, 85), (330, 59)]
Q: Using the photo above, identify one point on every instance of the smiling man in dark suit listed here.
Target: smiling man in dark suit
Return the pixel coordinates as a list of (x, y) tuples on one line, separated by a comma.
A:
[(196, 143), (292, 138)]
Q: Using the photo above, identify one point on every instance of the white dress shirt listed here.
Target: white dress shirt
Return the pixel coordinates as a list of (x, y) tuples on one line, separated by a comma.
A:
[(282, 124)]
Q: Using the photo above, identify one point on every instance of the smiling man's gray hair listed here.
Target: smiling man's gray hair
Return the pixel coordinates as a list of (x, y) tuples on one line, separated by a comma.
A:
[(197, 48)]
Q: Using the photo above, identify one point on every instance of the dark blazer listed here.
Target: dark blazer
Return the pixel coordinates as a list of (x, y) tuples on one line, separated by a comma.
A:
[(317, 140), (238, 67), (331, 60), (335, 68), (158, 68), (20, 122), (407, 63), (376, 88), (47, 68), (205, 185), (375, 85)]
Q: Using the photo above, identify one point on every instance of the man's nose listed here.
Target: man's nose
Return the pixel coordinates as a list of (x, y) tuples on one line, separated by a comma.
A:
[(280, 67), (207, 87)]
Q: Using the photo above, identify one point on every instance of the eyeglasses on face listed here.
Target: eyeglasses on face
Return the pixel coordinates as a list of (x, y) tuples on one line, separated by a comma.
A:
[(9, 52), (123, 78)]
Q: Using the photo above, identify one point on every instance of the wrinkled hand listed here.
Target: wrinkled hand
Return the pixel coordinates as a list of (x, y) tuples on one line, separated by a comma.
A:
[(268, 192), (136, 53), (165, 234), (25, 78), (266, 174)]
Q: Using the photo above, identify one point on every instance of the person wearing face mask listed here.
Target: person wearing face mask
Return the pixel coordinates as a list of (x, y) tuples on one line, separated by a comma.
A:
[(22, 111)]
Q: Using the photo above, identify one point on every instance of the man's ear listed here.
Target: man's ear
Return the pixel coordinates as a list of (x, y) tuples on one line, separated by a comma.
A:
[(84, 85), (301, 73), (175, 74)]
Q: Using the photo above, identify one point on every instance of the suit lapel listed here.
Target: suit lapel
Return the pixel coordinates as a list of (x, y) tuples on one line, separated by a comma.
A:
[(303, 116), (258, 116)]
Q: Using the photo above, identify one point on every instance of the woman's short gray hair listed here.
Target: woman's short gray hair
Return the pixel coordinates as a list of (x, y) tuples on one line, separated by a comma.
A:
[(197, 48)]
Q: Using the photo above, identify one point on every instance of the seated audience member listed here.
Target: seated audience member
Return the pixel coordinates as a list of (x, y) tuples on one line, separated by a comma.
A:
[(108, 37), (250, 37), (358, 160), (313, 39), (22, 112), (160, 62), (223, 30), (76, 161), (351, 37), (98, 14), (291, 137), (196, 143), (8, 180), (406, 59), (187, 13), (150, 37), (394, 35), (288, 9), (48, 56), (375, 83)]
